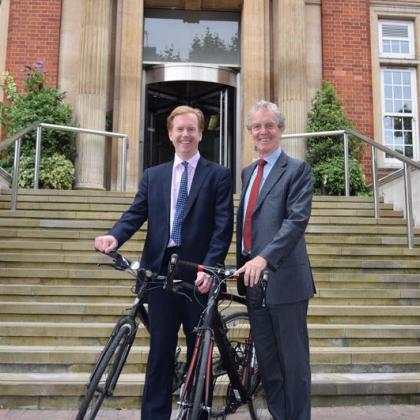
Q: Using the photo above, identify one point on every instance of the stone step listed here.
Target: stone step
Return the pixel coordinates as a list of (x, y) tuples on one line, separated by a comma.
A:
[(121, 204), (109, 312), (406, 314), (321, 335), (123, 294), (97, 227), (338, 279), (51, 390), (92, 211), (83, 358), (41, 194), (357, 239), (90, 216), (39, 259), (35, 245)]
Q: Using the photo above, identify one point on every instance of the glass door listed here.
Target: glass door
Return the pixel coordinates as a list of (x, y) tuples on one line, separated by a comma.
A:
[(216, 103)]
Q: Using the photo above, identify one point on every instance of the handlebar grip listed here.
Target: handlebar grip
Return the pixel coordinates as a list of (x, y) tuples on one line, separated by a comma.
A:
[(188, 264)]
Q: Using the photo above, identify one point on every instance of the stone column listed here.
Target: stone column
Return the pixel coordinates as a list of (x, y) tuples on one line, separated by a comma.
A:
[(92, 96), (255, 63), (290, 84), (127, 89)]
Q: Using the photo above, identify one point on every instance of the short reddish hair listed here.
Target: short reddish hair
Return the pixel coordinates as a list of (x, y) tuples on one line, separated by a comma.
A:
[(184, 109)]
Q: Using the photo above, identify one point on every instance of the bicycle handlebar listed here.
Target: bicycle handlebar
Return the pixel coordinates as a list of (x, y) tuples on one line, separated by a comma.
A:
[(220, 272), (169, 283)]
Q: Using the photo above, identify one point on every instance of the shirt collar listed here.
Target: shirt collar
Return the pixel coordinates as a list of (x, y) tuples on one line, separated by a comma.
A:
[(272, 158), (191, 162)]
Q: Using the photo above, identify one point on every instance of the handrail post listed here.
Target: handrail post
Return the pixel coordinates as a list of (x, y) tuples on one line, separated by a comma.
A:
[(15, 179), (37, 156), (375, 182), (123, 167), (346, 163), (408, 205)]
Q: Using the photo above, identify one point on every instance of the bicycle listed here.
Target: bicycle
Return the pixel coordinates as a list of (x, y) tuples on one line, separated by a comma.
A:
[(104, 377), (235, 363)]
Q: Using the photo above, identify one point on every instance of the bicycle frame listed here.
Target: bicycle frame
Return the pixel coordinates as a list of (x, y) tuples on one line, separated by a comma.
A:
[(212, 322)]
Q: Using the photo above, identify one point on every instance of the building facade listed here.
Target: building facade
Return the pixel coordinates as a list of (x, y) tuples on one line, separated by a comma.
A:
[(129, 62)]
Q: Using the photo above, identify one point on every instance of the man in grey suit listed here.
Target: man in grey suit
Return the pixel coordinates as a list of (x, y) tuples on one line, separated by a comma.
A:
[(272, 217)]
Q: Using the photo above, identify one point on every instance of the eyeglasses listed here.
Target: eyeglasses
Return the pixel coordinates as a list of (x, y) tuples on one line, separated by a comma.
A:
[(259, 127)]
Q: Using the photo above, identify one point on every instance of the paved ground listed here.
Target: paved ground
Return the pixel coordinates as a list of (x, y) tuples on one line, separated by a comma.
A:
[(377, 412)]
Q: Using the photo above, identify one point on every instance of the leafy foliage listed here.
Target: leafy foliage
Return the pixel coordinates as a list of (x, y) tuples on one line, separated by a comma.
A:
[(326, 154), (56, 172), (38, 103), (330, 179)]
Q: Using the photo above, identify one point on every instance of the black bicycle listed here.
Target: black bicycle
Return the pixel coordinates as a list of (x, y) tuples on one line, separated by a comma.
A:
[(104, 377), (221, 378)]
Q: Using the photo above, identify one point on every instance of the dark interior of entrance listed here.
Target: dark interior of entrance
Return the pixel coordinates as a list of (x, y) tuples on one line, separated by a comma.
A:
[(216, 101)]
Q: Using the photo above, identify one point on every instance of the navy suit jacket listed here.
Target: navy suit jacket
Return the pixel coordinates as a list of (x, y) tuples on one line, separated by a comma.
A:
[(208, 217), (280, 217)]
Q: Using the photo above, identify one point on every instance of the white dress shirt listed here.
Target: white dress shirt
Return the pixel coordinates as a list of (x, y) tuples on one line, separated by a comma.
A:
[(177, 171)]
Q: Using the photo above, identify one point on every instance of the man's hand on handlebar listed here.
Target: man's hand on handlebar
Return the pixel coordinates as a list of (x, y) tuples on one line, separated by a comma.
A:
[(203, 282), (106, 243), (252, 270)]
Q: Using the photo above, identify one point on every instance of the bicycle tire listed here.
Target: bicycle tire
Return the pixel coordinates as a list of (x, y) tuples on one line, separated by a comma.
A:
[(198, 397), (189, 387), (109, 360)]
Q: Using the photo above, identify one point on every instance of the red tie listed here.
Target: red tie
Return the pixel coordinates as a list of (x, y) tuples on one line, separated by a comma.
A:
[(251, 205)]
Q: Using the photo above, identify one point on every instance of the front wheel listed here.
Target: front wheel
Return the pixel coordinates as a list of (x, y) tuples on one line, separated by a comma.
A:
[(106, 373)]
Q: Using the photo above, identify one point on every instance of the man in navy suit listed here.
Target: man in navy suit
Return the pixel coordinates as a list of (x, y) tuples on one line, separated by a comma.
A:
[(188, 206), (272, 217)]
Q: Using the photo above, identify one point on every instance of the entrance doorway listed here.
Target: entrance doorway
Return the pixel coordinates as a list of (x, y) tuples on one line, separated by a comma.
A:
[(212, 89), (215, 100)]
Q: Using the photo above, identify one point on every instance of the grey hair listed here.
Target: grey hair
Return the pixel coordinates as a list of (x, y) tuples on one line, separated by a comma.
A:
[(270, 106)]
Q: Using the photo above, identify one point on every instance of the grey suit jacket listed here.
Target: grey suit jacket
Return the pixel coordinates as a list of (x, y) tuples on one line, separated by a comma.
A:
[(279, 221)]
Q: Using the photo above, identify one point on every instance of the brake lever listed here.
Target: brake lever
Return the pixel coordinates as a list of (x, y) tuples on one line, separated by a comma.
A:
[(264, 282)]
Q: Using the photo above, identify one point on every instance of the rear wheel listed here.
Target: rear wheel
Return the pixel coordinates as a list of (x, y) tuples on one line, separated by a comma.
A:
[(104, 378)]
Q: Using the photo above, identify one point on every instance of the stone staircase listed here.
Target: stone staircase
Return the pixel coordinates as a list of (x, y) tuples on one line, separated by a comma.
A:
[(57, 307)]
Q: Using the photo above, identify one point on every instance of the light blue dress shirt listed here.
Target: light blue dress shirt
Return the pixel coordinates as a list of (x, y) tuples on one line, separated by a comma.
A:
[(271, 160)]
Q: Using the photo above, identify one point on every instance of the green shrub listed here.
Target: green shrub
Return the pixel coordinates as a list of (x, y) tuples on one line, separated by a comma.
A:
[(329, 178), (325, 153), (56, 172), (38, 103)]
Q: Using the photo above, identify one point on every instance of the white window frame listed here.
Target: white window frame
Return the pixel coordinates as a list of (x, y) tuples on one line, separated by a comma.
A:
[(410, 39), (392, 162)]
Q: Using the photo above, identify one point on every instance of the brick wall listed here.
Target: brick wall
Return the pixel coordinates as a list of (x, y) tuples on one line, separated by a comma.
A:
[(34, 35), (347, 62)]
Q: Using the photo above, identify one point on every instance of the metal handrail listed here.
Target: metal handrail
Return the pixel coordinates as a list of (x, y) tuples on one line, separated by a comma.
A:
[(407, 163), (16, 139)]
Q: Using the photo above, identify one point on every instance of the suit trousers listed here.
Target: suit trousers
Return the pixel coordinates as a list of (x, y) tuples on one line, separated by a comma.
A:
[(281, 340), (167, 311)]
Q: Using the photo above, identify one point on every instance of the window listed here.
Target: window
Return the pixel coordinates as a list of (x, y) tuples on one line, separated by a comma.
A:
[(398, 109), (396, 39), (201, 36)]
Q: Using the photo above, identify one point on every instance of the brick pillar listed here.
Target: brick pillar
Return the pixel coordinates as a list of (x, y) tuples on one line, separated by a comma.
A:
[(33, 35), (347, 61)]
